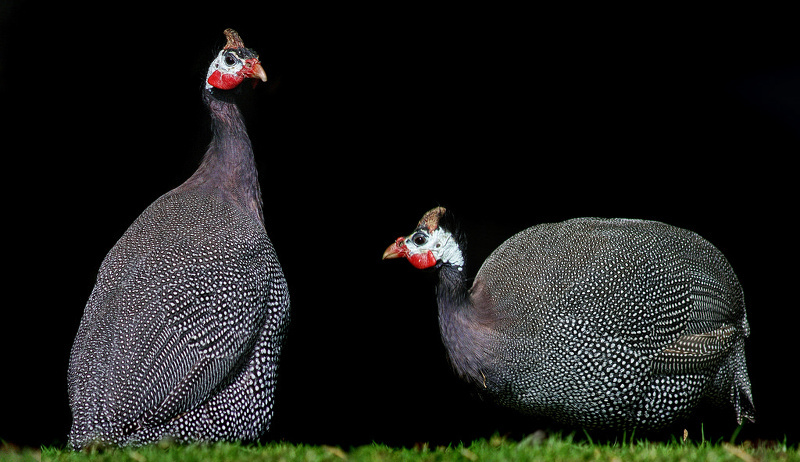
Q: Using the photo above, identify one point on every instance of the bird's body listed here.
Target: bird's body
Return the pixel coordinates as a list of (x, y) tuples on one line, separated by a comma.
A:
[(182, 332), (610, 323)]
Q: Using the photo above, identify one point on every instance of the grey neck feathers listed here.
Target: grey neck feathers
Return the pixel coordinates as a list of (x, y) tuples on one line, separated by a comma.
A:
[(464, 327), (228, 166)]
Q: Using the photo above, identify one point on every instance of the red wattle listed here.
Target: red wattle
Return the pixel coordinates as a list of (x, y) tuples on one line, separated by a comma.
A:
[(422, 260), (224, 81)]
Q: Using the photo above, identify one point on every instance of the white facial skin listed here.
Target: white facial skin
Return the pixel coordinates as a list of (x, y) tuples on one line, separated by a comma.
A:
[(227, 62), (439, 242)]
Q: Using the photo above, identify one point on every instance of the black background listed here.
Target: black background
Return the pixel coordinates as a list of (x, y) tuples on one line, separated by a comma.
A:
[(371, 116)]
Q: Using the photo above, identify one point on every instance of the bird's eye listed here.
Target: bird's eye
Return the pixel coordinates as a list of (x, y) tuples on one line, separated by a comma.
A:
[(230, 60), (420, 239)]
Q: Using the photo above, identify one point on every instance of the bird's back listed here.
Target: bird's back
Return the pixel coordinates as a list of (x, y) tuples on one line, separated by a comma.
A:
[(178, 306), (598, 317)]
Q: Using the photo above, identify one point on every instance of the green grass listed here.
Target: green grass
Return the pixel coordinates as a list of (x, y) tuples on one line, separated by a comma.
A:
[(535, 447)]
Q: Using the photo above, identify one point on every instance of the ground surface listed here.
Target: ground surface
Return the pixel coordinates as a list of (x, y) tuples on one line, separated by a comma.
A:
[(537, 446)]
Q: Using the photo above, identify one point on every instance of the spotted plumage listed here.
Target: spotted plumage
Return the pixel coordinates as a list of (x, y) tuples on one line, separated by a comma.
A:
[(610, 323), (182, 332)]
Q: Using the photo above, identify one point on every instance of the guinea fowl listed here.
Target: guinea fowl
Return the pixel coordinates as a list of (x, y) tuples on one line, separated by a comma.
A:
[(182, 333), (603, 323)]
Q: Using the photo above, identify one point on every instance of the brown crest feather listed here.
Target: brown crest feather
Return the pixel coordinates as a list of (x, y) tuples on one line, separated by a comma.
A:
[(431, 218), (234, 41)]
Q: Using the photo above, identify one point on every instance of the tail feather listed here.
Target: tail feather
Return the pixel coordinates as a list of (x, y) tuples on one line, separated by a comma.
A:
[(741, 394)]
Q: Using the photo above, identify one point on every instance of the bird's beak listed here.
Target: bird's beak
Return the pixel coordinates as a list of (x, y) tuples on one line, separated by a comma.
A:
[(254, 70), (258, 71), (398, 249)]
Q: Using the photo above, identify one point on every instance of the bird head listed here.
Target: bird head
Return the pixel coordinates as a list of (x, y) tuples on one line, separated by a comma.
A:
[(233, 64), (434, 241)]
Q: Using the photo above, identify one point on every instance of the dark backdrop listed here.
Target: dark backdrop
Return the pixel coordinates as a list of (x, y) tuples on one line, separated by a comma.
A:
[(371, 116)]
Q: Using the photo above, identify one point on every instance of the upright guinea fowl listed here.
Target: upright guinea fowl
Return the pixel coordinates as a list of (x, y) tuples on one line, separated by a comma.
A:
[(182, 332), (607, 323)]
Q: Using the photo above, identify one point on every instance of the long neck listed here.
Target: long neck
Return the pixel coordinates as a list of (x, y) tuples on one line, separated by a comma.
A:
[(463, 326), (452, 293), (228, 166)]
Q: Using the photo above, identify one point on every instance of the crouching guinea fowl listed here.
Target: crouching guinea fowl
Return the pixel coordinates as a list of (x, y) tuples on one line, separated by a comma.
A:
[(603, 323), (181, 335)]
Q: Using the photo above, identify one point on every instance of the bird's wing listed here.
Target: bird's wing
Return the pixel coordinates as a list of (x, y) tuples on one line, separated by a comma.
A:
[(693, 352), (215, 324), (178, 326), (715, 322)]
